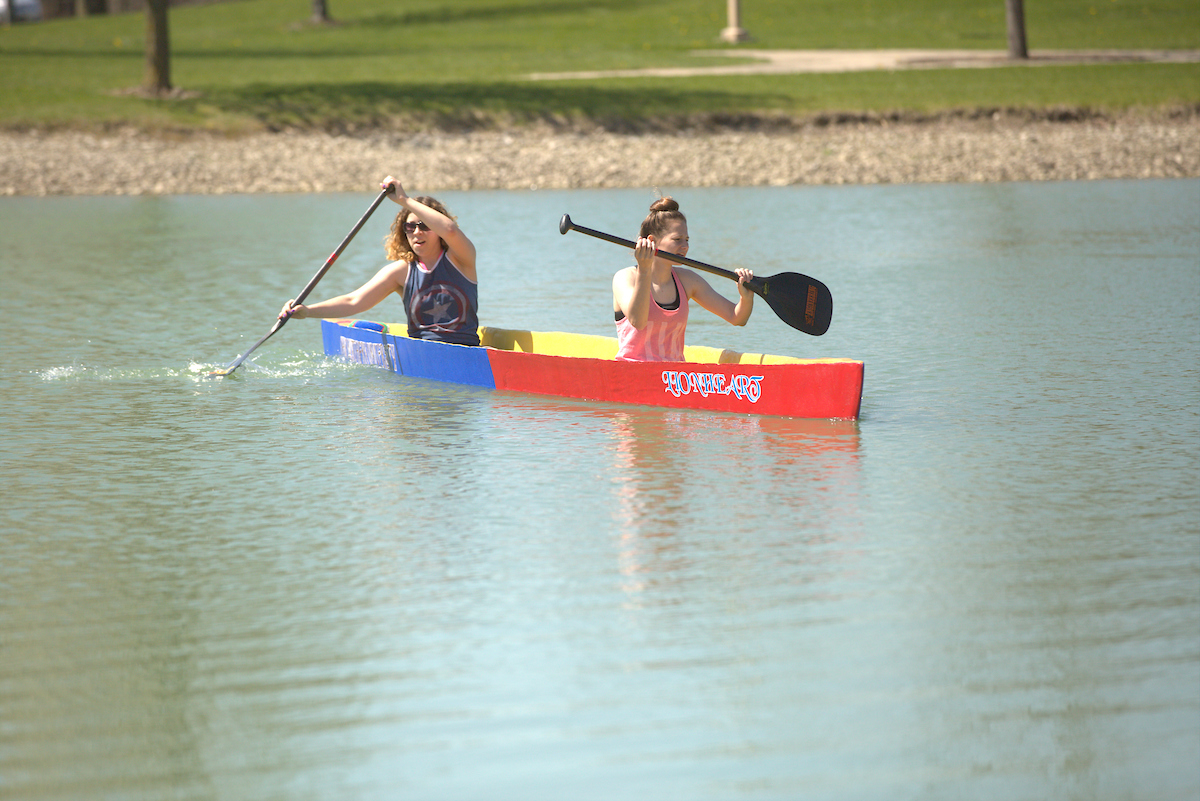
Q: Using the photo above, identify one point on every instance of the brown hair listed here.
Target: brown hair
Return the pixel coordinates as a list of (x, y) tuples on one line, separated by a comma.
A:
[(663, 212), (396, 242)]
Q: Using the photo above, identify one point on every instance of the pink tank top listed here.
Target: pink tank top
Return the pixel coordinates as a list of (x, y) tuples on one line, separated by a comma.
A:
[(661, 339)]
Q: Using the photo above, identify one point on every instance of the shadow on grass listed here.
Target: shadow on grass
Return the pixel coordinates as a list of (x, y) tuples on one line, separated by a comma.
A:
[(449, 13), (356, 107), (355, 44), (209, 53)]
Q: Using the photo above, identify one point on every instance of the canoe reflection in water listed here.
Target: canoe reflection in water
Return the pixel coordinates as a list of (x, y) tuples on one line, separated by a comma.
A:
[(786, 486)]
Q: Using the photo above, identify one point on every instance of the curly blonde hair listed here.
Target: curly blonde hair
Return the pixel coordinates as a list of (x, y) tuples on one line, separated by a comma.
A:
[(396, 242), (663, 212)]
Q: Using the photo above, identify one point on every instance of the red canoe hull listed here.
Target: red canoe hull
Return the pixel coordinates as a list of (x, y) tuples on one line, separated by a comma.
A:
[(813, 388)]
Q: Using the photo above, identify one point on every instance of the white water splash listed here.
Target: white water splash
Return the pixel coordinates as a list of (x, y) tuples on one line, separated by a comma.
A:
[(61, 373)]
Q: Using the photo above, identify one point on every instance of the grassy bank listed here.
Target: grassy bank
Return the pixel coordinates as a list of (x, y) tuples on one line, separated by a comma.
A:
[(258, 64)]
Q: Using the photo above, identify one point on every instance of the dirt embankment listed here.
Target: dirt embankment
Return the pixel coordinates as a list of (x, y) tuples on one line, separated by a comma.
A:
[(831, 150)]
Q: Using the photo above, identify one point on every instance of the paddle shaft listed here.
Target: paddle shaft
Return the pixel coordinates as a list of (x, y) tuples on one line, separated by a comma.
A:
[(566, 224), (236, 363), (803, 303)]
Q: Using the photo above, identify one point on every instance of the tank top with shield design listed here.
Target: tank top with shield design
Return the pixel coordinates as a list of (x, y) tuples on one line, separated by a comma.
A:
[(441, 304)]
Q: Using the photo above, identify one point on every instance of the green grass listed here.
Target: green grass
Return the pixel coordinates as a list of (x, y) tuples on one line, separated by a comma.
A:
[(258, 64)]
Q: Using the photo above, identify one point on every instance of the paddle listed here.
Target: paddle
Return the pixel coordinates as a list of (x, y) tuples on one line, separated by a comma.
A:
[(803, 303), (311, 285)]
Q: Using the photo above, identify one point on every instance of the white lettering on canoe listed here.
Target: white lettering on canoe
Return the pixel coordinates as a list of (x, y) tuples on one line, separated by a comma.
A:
[(368, 352), (678, 383)]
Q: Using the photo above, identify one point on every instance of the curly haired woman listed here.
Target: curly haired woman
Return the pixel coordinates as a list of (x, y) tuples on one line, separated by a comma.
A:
[(432, 268)]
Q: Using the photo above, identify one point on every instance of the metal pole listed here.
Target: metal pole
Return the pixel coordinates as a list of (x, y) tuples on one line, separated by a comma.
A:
[(734, 32)]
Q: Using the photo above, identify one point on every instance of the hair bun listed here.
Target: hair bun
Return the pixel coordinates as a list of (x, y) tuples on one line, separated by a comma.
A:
[(664, 204)]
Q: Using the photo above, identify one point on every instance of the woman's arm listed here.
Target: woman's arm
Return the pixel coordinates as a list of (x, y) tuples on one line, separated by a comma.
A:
[(458, 246), (388, 280), (632, 286), (702, 292)]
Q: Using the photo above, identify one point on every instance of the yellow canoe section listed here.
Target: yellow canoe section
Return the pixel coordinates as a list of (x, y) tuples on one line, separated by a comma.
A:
[(590, 346), (551, 343)]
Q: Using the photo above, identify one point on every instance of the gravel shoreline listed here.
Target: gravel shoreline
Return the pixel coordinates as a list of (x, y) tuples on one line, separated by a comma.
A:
[(869, 151)]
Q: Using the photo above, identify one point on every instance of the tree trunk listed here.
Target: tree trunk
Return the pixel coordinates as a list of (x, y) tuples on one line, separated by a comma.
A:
[(158, 49), (1015, 14), (86, 8), (320, 12)]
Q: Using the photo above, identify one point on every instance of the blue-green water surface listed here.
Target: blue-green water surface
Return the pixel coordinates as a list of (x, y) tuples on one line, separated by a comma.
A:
[(314, 580)]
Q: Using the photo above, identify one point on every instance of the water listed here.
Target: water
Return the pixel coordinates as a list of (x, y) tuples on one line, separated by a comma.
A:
[(315, 580)]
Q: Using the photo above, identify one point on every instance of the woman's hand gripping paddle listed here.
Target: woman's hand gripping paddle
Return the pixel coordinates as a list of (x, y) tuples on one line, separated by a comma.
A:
[(236, 363), (803, 303)]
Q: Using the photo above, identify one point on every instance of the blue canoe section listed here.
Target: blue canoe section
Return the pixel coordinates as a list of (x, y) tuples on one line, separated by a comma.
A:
[(369, 343)]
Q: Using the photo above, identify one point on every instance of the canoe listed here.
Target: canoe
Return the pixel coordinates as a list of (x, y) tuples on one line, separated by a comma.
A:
[(583, 366)]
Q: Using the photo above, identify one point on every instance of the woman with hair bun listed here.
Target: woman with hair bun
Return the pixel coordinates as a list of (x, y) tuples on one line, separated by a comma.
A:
[(432, 268), (650, 299)]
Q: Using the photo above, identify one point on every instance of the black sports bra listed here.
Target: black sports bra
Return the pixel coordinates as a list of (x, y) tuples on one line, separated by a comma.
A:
[(619, 315)]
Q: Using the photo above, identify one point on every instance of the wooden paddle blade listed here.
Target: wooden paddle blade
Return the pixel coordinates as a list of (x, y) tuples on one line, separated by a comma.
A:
[(804, 303)]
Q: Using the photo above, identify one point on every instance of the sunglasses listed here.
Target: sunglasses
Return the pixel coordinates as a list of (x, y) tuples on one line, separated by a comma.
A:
[(413, 227)]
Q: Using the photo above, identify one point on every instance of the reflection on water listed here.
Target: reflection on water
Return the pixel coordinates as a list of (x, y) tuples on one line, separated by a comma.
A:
[(661, 456), (321, 580)]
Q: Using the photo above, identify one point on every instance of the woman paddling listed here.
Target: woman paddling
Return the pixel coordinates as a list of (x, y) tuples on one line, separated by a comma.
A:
[(433, 269), (650, 299)]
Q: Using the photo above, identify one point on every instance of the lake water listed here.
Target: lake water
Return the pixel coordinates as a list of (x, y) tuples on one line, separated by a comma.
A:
[(314, 580)]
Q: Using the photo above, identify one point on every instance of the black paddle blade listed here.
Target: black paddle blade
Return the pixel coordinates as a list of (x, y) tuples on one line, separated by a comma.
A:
[(803, 303)]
